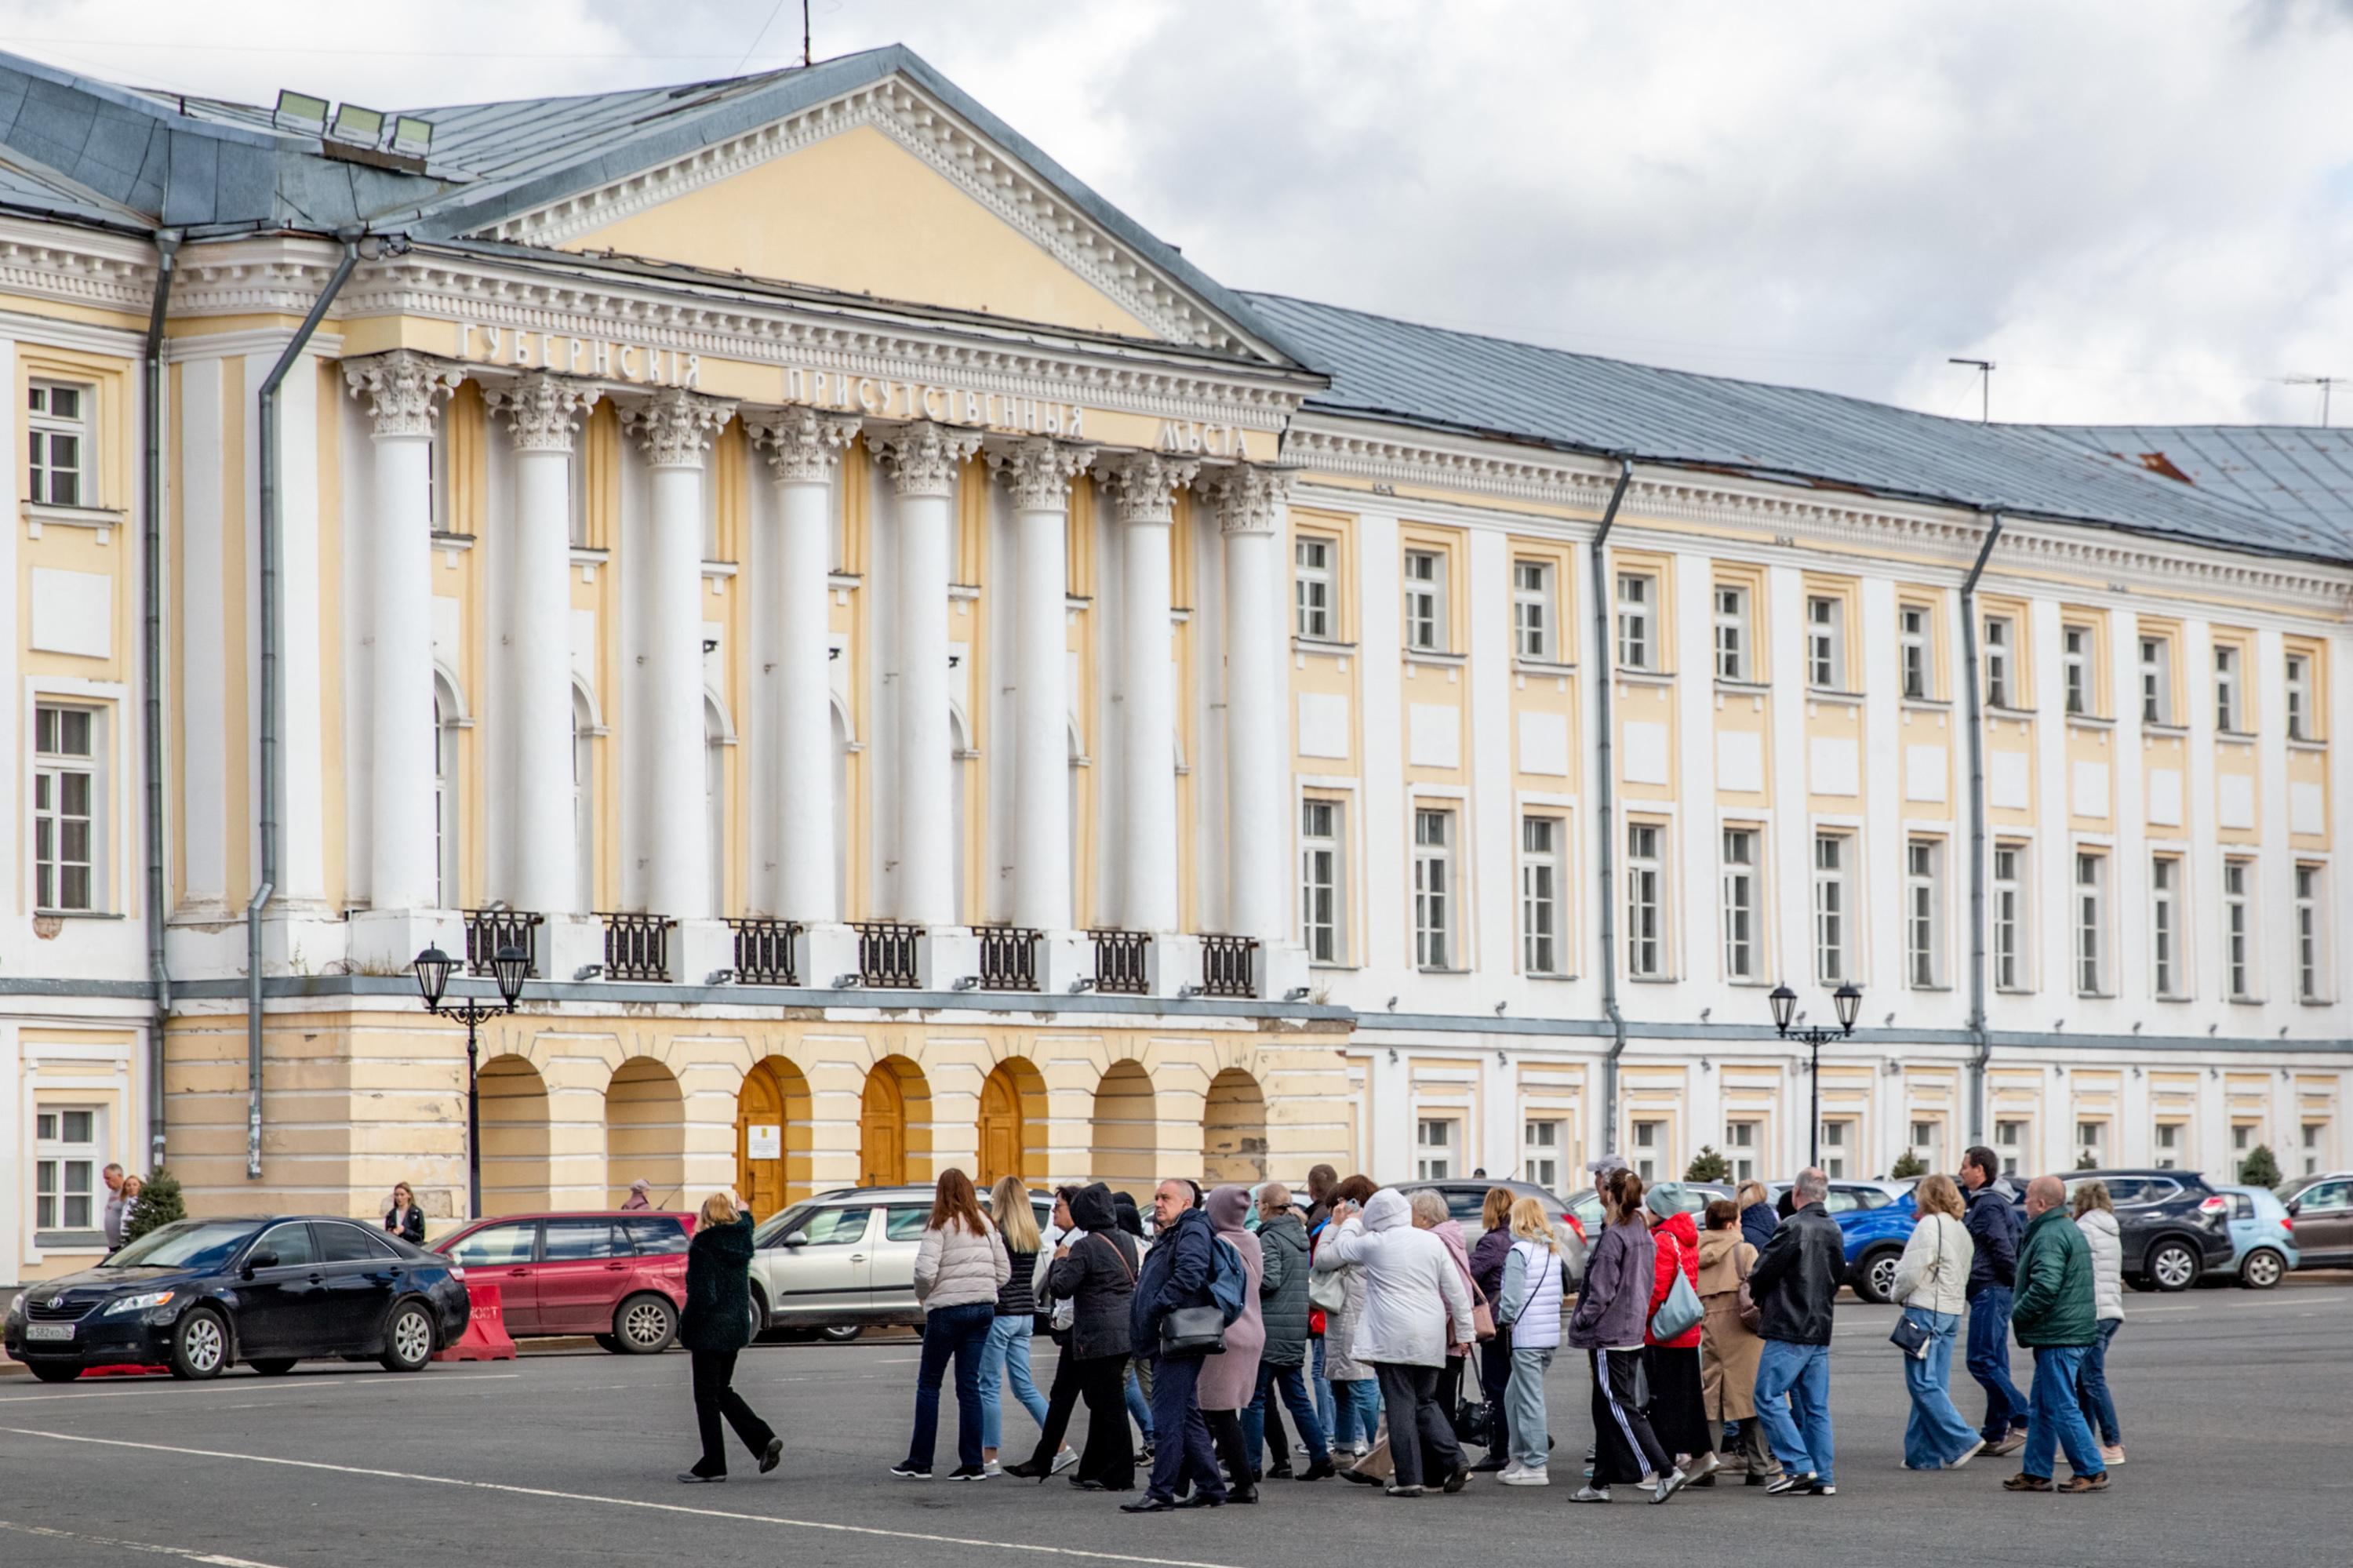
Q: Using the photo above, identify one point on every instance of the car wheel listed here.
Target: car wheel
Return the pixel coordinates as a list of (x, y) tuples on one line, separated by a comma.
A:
[(645, 1325), (407, 1339), (273, 1366), (837, 1333), (1875, 1280), (2262, 1268), (56, 1372), (2173, 1266), (199, 1345)]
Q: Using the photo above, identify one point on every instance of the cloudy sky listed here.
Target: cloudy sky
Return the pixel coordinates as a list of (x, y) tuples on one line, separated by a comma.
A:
[(2140, 211)]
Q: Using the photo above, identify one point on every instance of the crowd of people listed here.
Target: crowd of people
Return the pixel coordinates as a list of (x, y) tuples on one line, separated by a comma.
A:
[(1395, 1342)]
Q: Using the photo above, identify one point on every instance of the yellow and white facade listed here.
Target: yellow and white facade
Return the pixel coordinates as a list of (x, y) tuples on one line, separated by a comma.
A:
[(933, 679)]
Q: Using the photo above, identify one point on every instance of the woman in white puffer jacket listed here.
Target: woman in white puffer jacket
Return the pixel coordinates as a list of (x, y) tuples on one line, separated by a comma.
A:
[(2096, 1216), (1414, 1300)]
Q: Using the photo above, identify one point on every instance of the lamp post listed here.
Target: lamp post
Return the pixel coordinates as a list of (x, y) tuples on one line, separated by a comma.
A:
[(510, 965), (1848, 1001)]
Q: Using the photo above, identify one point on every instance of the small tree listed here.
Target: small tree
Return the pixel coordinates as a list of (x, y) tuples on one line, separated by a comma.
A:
[(159, 1204), (1907, 1164), (1707, 1165), (2261, 1167), (2087, 1162)]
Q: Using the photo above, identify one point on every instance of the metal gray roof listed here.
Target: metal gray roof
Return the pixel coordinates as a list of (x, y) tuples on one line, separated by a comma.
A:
[(2295, 472), (27, 186), (1463, 382)]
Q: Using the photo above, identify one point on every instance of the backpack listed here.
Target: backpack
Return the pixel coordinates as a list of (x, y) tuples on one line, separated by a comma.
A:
[(1229, 1280)]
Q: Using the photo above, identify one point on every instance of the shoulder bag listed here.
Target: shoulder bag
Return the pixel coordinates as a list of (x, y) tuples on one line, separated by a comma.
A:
[(1193, 1332), (1326, 1289), (1681, 1312), (1482, 1315), (1910, 1335)]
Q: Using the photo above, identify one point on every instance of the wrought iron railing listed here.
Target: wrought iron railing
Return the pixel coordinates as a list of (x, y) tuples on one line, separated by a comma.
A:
[(636, 947), (488, 930), (887, 953), (1120, 967), (1008, 957), (1229, 966), (764, 952)]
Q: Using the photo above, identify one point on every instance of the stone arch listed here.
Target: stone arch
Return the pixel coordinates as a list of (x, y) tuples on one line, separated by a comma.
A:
[(772, 1111), (895, 1125), (1233, 1130), (516, 1175), (1126, 1136), (1012, 1116), (645, 1132)]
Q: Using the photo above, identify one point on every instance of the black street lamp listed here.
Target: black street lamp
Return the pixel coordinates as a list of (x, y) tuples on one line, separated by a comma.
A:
[(510, 965), (1848, 1000)]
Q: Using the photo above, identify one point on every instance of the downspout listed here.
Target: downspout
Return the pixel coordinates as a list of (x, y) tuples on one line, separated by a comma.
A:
[(1607, 799), (167, 245), (1980, 1037), (272, 695)]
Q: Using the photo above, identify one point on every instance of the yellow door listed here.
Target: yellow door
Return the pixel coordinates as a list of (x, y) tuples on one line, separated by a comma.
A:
[(1001, 1140), (760, 1141), (882, 1132)]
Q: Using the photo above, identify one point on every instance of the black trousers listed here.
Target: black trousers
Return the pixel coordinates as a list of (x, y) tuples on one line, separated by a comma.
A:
[(1225, 1433), (1411, 1394), (1109, 1455), (1450, 1391), (1062, 1398), (1181, 1450), (1624, 1446), (1678, 1405), (714, 1396)]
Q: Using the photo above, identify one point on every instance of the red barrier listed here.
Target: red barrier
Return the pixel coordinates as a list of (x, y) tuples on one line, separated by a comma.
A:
[(485, 1338), (126, 1371)]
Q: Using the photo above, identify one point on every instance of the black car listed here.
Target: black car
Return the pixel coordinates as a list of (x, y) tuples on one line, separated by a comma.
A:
[(198, 1296), (2174, 1227)]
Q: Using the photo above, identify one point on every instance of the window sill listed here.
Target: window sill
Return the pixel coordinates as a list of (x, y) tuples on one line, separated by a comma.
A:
[(2308, 745), (725, 569), (2092, 721), (1326, 646), (1545, 975), (1643, 677), (842, 581), (2236, 736), (967, 592), (1831, 694), (2179, 731), (39, 514), (445, 540), (1428, 970), (589, 555), (1928, 704), (1941, 988), (1742, 688), (1651, 979), (2005, 710), (77, 914), (1435, 656), (70, 1241), (1541, 667), (1754, 983), (2317, 1001)]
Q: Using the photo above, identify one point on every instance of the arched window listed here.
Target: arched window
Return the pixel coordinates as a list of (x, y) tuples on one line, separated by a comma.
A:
[(714, 799), (583, 799), (447, 719)]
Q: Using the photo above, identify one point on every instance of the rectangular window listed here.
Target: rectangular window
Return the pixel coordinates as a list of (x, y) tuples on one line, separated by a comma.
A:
[(1425, 601), (1741, 903), (1837, 1146), (1826, 643), (1434, 890), (1637, 637), (1924, 894), (1740, 1142), (1541, 1144), (1531, 612), (2237, 930), (57, 424), (1831, 959), (1650, 1149), (2230, 715), (1646, 935), (2009, 917), (2000, 645), (2311, 953), (66, 801), (1919, 653), (1311, 588), (1928, 1143), (65, 1169), (2313, 1131), (2010, 1144), (1433, 1148), (2165, 925), (2075, 660), (1732, 661), (1542, 951), (2156, 680), (2299, 697), (2169, 1146), (1322, 911), (2090, 925), (2092, 1137)]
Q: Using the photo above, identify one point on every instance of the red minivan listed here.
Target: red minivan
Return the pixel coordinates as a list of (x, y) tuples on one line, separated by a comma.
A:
[(619, 1277)]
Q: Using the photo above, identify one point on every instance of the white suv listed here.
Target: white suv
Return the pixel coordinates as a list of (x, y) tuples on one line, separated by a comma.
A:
[(845, 1260)]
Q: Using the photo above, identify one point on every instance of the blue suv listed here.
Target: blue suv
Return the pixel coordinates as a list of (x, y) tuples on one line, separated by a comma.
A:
[(1876, 1218)]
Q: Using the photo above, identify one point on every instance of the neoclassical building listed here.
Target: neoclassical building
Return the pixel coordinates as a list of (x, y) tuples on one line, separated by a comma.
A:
[(928, 677)]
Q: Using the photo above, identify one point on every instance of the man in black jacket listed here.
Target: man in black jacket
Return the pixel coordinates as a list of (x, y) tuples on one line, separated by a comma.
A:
[(1795, 1283), (1176, 1274), (1993, 1225)]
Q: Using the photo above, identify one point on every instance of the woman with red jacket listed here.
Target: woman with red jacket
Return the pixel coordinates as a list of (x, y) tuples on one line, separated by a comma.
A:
[(1677, 1402)]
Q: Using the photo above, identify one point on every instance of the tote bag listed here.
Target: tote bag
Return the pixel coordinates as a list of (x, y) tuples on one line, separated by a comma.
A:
[(1681, 1312)]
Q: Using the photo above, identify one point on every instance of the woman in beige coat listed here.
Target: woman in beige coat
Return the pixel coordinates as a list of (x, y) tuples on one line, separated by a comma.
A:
[(1728, 1351)]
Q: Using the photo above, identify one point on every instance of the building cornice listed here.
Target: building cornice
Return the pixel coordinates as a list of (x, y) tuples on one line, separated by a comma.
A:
[(76, 266)]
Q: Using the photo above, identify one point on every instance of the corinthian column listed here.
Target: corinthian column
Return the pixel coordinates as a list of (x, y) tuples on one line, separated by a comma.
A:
[(1038, 472), (676, 429), (541, 411), (403, 865), (924, 461), (805, 448), (1142, 491), (1250, 504)]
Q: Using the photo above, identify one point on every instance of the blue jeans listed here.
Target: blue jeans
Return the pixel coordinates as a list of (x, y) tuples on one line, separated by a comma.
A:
[(960, 1333), (1355, 1411), (1007, 1351), (1988, 1363), (1935, 1436), (2054, 1416), (1791, 1376), (1138, 1406), (1524, 1407), (1292, 1383), (1324, 1400), (2099, 1406)]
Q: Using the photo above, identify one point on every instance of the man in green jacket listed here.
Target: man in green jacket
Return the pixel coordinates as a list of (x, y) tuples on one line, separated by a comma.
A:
[(2055, 1315)]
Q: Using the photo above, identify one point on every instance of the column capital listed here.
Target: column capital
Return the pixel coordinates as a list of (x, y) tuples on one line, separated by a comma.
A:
[(1249, 497), (541, 409), (1038, 470), (400, 387), (676, 426), (1143, 485), (924, 458), (803, 445)]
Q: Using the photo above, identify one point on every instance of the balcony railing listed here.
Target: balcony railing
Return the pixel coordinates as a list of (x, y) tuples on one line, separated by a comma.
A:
[(1008, 957), (1120, 967), (1229, 966), (764, 952), (636, 947), (488, 930), (887, 953)]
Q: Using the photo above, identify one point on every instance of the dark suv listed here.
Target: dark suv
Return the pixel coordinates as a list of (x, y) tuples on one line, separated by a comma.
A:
[(2174, 1226)]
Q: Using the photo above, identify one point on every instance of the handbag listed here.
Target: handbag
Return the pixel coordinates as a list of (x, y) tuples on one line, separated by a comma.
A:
[(1911, 1337), (1681, 1312), (1482, 1315), (1473, 1418), (1191, 1332), (1327, 1290)]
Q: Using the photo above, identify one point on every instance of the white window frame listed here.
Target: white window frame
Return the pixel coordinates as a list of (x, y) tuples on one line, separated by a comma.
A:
[(2166, 1144), (2299, 678), (1543, 1145), (2012, 1136), (2011, 912), (1638, 607), (2090, 888), (2311, 906), (1928, 1141), (2230, 694), (1836, 1147), (1435, 1156), (2157, 679), (1741, 1140), (2165, 927), (2315, 1133), (1998, 635), (1833, 910), (1924, 913), (52, 824), (1646, 901), (449, 790), (45, 430), (1425, 602), (1532, 616), (1651, 1141), (1324, 880), (2092, 1139), (1435, 897), (66, 1170), (1826, 642), (1543, 882), (1314, 588), (2238, 928), (1914, 635), (1744, 938), (1734, 660), (2077, 667)]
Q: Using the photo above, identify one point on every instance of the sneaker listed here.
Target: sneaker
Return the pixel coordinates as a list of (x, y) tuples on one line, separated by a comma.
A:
[(1672, 1483), (772, 1455), (1590, 1493), (1393, 1490), (1064, 1460), (907, 1470), (2022, 1482), (1528, 1476), (2097, 1481), (968, 1473), (692, 1479), (2010, 1442), (1789, 1482), (2112, 1455), (1822, 1492), (1510, 1470), (1703, 1468), (1972, 1452), (989, 1467)]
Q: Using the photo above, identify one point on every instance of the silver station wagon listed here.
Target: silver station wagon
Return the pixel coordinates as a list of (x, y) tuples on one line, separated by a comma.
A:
[(845, 1260)]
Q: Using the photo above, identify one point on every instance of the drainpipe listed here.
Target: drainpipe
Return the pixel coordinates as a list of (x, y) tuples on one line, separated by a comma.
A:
[(167, 244), (272, 694), (1607, 796), (1980, 1038)]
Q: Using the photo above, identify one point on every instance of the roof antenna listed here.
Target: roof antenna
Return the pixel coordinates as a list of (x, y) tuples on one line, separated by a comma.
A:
[(805, 50), (1984, 368), (2324, 382)]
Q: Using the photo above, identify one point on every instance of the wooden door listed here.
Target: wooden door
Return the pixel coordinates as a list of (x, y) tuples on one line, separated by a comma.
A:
[(882, 1132), (1002, 1134), (760, 1178)]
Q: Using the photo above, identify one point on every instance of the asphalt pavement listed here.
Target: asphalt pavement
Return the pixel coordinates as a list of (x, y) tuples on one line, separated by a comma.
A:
[(2227, 1398)]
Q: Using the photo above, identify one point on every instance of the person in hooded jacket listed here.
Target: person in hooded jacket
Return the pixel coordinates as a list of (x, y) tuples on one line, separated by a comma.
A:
[(714, 1327), (1282, 1366), (1678, 1397), (1417, 1309), (1137, 1385), (1175, 1274), (2096, 1216), (1229, 1381), (1613, 1312), (1063, 1393), (1095, 1269), (1356, 1392)]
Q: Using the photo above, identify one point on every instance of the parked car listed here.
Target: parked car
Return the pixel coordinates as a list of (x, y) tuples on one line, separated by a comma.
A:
[(1466, 1201), (845, 1260), (2263, 1240), (2320, 1208), (619, 1277), (1876, 1219), (2174, 1226), (199, 1296), (1584, 1203)]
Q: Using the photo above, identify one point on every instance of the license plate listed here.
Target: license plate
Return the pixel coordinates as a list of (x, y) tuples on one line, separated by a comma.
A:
[(48, 1330)]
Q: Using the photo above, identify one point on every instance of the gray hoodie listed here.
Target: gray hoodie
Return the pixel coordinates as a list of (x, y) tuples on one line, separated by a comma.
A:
[(1614, 1306)]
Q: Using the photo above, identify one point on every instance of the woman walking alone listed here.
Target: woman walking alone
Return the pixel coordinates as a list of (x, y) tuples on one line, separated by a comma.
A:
[(1612, 1315), (1728, 1350), (2096, 1216), (1929, 1281), (715, 1327), (403, 1219), (1006, 1354), (960, 1266), (1527, 1307), (1228, 1382)]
